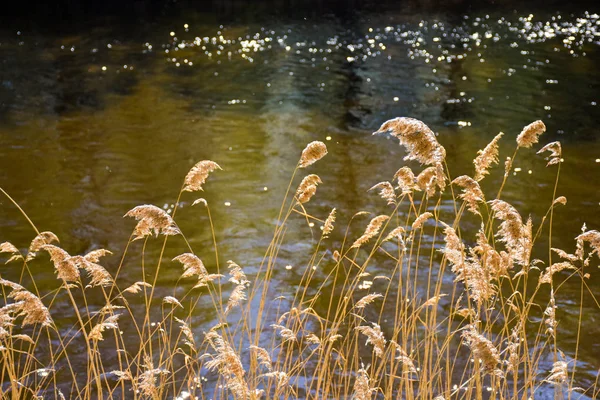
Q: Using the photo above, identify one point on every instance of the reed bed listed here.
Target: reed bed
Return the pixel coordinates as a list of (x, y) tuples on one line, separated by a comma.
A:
[(455, 316)]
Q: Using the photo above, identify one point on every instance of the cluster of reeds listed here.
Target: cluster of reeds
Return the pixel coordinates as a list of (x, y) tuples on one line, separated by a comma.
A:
[(453, 317)]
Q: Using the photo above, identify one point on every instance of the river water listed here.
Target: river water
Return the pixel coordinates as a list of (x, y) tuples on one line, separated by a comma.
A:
[(102, 116)]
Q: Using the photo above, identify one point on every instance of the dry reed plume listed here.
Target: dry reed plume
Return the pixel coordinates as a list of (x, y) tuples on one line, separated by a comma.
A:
[(433, 308)]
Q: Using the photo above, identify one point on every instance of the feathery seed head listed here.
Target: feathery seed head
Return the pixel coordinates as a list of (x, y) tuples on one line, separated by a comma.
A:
[(559, 373), (192, 265), (40, 240), (486, 157), (530, 134), (421, 220), (386, 191), (406, 180), (307, 188), (263, 357), (152, 220), (593, 238), (109, 323), (137, 287), (366, 300), (26, 304), (371, 231), (417, 138), (198, 174), (362, 387), (328, 225), (483, 349), (173, 301), (7, 247), (375, 337), (67, 267), (312, 153), (471, 194), (555, 153)]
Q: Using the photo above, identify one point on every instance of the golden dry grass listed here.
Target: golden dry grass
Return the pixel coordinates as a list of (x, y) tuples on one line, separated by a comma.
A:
[(409, 333)]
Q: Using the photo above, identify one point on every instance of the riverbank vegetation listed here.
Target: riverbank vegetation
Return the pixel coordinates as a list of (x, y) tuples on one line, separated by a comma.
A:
[(460, 313)]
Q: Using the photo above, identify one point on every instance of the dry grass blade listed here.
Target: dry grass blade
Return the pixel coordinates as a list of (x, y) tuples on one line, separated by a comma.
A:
[(486, 157), (530, 134), (198, 174), (152, 220), (312, 153), (371, 231)]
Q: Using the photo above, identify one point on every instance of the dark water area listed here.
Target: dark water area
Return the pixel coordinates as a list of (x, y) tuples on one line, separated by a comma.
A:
[(105, 106)]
